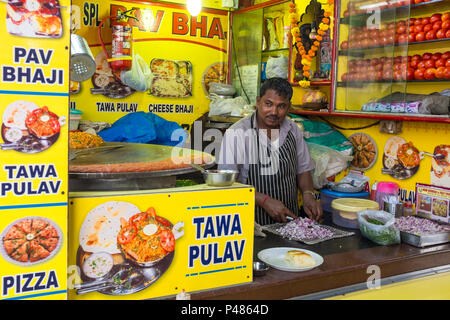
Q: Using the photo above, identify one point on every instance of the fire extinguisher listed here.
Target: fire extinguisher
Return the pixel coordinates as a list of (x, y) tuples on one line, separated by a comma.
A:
[(122, 39)]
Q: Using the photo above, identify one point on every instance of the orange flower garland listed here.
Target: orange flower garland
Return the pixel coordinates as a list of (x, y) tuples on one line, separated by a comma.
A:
[(295, 30)]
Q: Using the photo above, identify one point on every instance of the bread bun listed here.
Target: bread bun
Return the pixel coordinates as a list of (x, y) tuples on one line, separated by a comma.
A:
[(300, 259)]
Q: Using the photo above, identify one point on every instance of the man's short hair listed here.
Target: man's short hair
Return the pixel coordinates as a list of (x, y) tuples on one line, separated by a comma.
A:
[(279, 85)]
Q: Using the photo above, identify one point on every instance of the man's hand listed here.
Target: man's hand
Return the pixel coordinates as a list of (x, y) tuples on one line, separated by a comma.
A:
[(312, 208), (277, 210)]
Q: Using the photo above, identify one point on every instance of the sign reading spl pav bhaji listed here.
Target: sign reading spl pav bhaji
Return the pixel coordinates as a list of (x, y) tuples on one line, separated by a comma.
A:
[(175, 57)]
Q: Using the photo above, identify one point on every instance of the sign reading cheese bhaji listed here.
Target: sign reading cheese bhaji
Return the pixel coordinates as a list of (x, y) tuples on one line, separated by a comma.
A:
[(142, 246)]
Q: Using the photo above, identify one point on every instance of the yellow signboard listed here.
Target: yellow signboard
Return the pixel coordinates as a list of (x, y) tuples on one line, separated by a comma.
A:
[(175, 56), (159, 243), (34, 86)]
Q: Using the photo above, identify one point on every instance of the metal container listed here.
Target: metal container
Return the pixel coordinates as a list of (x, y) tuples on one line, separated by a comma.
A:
[(259, 268), (426, 239), (220, 178), (396, 209), (82, 62)]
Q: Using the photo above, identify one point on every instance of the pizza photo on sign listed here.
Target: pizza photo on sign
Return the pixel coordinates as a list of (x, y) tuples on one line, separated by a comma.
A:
[(28, 128), (170, 78), (30, 240), (34, 18), (123, 249)]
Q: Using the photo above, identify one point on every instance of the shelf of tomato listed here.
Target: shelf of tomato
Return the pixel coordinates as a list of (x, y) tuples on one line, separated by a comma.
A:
[(402, 33), (415, 68), (361, 52), (388, 10)]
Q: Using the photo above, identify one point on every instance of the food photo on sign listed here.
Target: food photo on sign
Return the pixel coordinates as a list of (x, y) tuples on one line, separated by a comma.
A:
[(34, 18), (123, 250), (28, 128)]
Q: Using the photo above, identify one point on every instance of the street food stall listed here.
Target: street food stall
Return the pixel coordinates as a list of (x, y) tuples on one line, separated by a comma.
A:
[(101, 193)]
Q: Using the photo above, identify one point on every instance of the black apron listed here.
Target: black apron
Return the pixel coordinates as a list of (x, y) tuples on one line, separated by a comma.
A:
[(281, 185)]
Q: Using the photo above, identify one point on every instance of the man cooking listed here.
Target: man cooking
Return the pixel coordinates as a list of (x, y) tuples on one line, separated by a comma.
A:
[(270, 154)]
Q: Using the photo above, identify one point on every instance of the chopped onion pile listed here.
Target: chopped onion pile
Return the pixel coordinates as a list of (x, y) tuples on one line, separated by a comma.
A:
[(304, 228), (417, 225)]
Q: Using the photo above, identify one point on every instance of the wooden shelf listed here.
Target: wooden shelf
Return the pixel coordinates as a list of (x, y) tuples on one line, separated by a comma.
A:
[(375, 115)]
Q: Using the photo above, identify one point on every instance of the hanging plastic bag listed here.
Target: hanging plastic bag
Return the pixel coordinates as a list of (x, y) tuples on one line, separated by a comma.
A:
[(277, 67), (220, 106), (328, 162), (138, 77), (378, 226)]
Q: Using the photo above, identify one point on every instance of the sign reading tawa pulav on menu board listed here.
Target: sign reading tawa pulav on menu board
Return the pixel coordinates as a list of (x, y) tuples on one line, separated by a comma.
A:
[(34, 131)]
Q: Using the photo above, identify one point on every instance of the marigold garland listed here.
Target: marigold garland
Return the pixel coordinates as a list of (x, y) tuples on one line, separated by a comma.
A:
[(295, 30)]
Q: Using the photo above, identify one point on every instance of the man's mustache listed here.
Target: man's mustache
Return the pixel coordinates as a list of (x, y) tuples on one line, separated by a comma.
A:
[(272, 117)]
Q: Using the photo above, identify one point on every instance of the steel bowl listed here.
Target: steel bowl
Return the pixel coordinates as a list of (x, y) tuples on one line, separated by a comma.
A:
[(220, 178), (260, 268)]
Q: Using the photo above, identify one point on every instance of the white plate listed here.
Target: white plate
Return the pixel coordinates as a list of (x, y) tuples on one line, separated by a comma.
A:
[(275, 257)]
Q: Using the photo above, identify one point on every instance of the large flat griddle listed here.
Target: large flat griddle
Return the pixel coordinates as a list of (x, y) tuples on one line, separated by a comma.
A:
[(128, 153)]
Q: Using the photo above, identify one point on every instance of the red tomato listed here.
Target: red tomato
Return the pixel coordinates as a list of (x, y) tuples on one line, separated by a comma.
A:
[(417, 1), (416, 57), (440, 73), (440, 34), (445, 16), (418, 28), (410, 74), (439, 63), (446, 55), (420, 36), (425, 21), (427, 27), (430, 35), (418, 21), (437, 25), (436, 56), (344, 77), (414, 64), (429, 63), (447, 33), (447, 73), (344, 45), (430, 74), (419, 74), (167, 240), (446, 24), (387, 75), (163, 221), (400, 29), (412, 37), (427, 56), (378, 75), (447, 63), (435, 17), (421, 65)]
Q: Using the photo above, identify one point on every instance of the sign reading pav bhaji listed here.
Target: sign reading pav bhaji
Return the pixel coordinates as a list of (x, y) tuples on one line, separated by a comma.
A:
[(174, 59)]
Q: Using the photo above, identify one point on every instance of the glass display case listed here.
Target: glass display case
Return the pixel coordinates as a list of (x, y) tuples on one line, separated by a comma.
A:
[(258, 34), (393, 59)]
